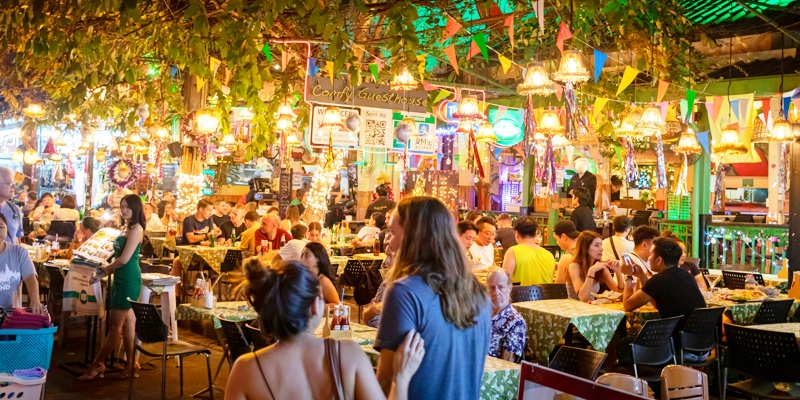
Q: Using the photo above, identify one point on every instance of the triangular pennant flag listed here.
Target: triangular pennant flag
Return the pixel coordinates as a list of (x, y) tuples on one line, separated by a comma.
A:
[(422, 59), (482, 106), (765, 108), (690, 96), (559, 92), (662, 89), (473, 50), (451, 29), (331, 72), (599, 103), (509, 23), (718, 100), (539, 7), (627, 78), (710, 109), (441, 95), (312, 66), (599, 62), (563, 34), (199, 83), (672, 111), (450, 53), (702, 137), (664, 107), (494, 10), (428, 87), (796, 103), (744, 105), (500, 111), (266, 51), (373, 68), (505, 63), (480, 40), (786, 102), (214, 64), (379, 62), (683, 106), (734, 106)]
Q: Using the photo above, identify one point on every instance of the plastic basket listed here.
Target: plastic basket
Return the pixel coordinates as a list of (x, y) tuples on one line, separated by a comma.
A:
[(25, 348), (21, 389)]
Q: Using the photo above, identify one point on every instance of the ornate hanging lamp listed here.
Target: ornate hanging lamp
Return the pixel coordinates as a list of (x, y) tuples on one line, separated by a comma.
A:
[(550, 123), (285, 122), (18, 156), (651, 123), (627, 126), (537, 82), (729, 144), (206, 121), (34, 110), (485, 133), (688, 143), (571, 68), (332, 119), (403, 81)]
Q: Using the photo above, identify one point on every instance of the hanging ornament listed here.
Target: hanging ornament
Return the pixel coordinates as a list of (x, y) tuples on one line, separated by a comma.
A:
[(661, 168), (781, 131), (729, 143), (284, 123), (468, 111), (537, 82), (58, 174), (291, 139), (403, 81), (353, 123), (120, 172), (571, 128), (332, 119), (650, 123), (571, 68), (688, 143), (34, 111), (285, 107), (56, 157), (630, 166), (143, 112), (403, 132), (486, 133), (718, 186)]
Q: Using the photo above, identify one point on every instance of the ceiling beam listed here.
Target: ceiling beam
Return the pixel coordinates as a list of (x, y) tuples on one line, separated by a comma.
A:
[(774, 7), (768, 20)]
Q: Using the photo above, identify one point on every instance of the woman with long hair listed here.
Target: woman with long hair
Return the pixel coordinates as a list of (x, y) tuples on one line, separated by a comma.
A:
[(434, 292), (292, 218), (315, 257), (300, 365), (587, 274), (127, 284)]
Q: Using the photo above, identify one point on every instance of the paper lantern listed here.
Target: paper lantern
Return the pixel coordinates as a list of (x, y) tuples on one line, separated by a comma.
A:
[(688, 143), (571, 68), (33, 110), (468, 110), (56, 157), (550, 123), (781, 131), (403, 81), (284, 123), (651, 123), (729, 143), (100, 156), (30, 157), (537, 82)]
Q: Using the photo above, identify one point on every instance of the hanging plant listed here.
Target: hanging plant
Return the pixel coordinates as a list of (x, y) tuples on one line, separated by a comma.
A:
[(121, 173)]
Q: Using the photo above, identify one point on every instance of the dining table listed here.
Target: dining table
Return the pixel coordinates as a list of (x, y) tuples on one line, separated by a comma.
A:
[(161, 243), (237, 311), (213, 256), (549, 320), (789, 327)]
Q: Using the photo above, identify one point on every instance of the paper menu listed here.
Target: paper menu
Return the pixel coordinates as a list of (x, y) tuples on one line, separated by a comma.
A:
[(100, 247)]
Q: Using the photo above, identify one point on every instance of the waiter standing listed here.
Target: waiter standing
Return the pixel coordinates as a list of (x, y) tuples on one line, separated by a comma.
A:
[(583, 178)]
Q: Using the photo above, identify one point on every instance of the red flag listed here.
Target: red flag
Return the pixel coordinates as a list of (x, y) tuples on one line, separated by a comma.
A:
[(765, 108), (717, 106), (427, 86), (450, 52), (494, 10), (451, 29), (509, 22), (662, 89), (559, 92), (473, 50), (563, 34)]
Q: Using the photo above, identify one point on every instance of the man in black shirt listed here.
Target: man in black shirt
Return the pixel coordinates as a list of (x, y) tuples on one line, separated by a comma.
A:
[(221, 210), (166, 198), (505, 233), (583, 179), (382, 204), (236, 225), (582, 216), (672, 291), (616, 191)]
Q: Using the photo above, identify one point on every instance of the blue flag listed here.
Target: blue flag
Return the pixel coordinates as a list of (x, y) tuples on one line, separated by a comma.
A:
[(599, 62), (312, 66), (734, 104), (702, 137)]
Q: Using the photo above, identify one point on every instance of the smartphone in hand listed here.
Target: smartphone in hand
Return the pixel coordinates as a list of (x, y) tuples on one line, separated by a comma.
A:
[(628, 267)]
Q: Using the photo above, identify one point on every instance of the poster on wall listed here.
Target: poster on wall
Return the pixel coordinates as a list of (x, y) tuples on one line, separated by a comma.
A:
[(425, 141), (208, 182), (377, 128), (341, 137)]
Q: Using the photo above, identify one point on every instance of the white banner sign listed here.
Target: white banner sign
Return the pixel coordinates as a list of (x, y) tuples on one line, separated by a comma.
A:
[(377, 127), (341, 137)]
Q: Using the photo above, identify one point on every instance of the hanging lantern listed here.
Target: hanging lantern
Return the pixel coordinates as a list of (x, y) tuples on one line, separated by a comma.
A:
[(332, 119), (550, 123), (781, 131), (34, 111), (284, 123), (627, 127), (468, 110), (291, 139), (143, 112), (206, 121), (285, 107), (18, 156), (688, 143), (651, 123), (30, 157), (134, 137), (56, 157), (159, 132), (537, 82), (571, 68), (100, 156), (729, 143), (794, 115), (228, 140), (559, 141), (404, 81), (485, 133)]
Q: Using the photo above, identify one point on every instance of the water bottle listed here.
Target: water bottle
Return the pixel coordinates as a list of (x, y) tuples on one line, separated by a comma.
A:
[(750, 282)]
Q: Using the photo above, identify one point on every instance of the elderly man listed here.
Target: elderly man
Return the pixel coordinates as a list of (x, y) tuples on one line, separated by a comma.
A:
[(508, 327), (482, 250), (236, 224), (10, 210), (270, 233)]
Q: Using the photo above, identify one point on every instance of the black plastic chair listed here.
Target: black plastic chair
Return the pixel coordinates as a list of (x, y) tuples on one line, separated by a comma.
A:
[(554, 291), (353, 271), (735, 280), (232, 262), (765, 357), (701, 334), (153, 334), (236, 344), (256, 337), (773, 312), (653, 348), (526, 293), (582, 363), (64, 229)]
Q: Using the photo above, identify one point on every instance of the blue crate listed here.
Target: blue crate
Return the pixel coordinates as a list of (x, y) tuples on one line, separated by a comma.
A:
[(25, 348)]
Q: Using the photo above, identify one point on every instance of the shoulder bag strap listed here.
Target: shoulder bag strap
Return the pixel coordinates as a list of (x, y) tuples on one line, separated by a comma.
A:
[(332, 354), (613, 248)]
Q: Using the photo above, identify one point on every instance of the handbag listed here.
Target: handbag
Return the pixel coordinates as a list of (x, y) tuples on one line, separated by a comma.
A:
[(332, 354), (367, 286)]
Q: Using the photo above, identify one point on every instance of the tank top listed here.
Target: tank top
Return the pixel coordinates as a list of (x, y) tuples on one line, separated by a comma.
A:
[(534, 266)]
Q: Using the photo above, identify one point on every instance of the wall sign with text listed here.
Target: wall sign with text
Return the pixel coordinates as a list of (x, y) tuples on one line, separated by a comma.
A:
[(366, 95)]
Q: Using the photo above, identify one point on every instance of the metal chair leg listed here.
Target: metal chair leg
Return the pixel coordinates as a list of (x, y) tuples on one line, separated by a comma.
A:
[(130, 385), (210, 382), (163, 372), (222, 361), (180, 359)]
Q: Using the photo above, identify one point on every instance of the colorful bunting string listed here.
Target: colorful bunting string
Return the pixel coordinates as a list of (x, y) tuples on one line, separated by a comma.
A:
[(662, 89), (451, 28), (627, 78), (563, 34), (450, 53), (599, 62)]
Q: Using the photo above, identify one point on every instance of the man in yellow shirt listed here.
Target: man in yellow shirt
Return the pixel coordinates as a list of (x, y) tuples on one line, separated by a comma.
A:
[(251, 222), (528, 263)]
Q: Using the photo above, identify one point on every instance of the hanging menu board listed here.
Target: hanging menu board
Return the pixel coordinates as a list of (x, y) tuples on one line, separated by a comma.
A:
[(285, 190)]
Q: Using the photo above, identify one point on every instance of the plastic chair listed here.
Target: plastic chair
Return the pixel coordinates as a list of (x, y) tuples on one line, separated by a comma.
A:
[(765, 357), (526, 293), (256, 337), (64, 229), (701, 334), (735, 280), (683, 383), (232, 262), (236, 344), (553, 291), (773, 312), (582, 363), (624, 382), (153, 334), (653, 348)]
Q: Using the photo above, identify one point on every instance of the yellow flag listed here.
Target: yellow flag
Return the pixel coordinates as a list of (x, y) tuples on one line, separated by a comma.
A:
[(505, 62), (214, 63), (199, 83), (599, 103), (627, 78), (329, 68), (482, 106)]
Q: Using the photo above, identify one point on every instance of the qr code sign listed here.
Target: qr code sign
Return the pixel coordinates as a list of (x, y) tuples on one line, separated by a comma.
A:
[(374, 132)]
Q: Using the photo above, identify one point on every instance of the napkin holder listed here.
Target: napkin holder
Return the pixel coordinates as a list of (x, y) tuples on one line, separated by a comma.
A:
[(794, 291), (326, 328)]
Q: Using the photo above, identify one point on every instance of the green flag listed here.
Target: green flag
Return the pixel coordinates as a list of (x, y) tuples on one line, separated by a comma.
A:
[(480, 40), (373, 67), (265, 49)]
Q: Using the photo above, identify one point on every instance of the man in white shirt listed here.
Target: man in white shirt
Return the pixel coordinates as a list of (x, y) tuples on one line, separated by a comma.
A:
[(643, 237), (367, 235), (482, 249), (616, 246), (293, 248)]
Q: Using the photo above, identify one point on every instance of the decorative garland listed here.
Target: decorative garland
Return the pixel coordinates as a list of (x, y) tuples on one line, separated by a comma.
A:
[(113, 169)]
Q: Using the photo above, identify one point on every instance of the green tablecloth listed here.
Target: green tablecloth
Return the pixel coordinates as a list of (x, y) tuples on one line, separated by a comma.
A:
[(789, 327), (159, 243), (548, 320), (362, 334), (226, 310), (636, 317), (214, 256), (743, 313), (500, 377)]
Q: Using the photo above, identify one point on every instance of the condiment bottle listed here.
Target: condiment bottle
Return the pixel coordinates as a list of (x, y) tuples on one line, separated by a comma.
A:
[(336, 323), (345, 319)]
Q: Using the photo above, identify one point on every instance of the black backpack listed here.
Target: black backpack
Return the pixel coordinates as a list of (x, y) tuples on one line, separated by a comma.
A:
[(367, 285)]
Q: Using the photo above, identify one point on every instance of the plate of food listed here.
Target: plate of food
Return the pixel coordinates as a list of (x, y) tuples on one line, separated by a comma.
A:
[(742, 296)]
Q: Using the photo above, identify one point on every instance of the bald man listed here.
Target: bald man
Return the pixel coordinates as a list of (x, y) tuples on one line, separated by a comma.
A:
[(270, 232), (10, 210)]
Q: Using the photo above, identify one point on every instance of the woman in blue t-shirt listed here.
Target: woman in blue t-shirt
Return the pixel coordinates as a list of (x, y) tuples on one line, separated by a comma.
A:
[(16, 267), (434, 292)]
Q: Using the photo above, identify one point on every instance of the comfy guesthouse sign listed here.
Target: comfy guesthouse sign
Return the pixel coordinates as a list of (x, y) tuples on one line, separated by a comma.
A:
[(366, 95)]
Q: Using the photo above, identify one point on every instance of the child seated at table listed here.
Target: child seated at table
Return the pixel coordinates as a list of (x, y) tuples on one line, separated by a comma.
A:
[(368, 234)]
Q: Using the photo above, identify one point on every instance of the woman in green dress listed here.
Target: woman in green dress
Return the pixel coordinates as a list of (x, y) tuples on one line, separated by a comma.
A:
[(127, 284)]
